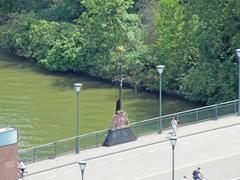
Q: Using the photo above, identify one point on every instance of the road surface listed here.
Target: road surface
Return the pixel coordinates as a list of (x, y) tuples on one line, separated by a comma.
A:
[(217, 152)]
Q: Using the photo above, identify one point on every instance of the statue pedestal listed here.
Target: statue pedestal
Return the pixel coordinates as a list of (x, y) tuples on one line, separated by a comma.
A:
[(119, 136)]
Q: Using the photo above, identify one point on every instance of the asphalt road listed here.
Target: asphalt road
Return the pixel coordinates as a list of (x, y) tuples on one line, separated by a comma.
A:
[(216, 152)]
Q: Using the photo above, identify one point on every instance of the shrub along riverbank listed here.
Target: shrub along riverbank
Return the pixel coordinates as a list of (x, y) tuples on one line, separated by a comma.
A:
[(195, 41)]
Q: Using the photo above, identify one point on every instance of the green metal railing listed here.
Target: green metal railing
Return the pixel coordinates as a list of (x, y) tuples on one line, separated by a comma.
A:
[(140, 128)]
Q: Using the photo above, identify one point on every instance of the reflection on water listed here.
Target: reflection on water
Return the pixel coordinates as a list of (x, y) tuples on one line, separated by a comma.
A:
[(42, 105)]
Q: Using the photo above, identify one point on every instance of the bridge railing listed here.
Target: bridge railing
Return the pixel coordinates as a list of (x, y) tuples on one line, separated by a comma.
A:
[(140, 128)]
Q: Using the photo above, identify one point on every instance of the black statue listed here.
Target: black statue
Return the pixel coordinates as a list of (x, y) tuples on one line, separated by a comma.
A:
[(118, 105)]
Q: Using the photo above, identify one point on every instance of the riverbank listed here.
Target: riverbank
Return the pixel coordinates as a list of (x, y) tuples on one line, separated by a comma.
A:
[(81, 36), (169, 94), (139, 80)]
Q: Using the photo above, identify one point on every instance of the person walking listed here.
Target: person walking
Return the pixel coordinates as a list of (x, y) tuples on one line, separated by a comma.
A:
[(21, 168), (197, 174), (174, 126)]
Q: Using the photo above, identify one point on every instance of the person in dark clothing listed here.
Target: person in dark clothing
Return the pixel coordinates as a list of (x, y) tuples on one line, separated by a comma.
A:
[(197, 174)]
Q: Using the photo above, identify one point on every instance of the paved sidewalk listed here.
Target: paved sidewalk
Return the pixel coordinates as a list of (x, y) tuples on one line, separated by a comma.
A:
[(184, 131)]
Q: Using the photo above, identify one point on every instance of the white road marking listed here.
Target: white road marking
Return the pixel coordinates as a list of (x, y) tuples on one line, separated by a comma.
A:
[(68, 172), (199, 139), (51, 177), (232, 132), (135, 155), (119, 159), (167, 147), (183, 143), (189, 165), (102, 164), (151, 151), (217, 135)]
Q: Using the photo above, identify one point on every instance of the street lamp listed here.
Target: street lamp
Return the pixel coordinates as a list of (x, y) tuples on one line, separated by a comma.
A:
[(77, 87), (173, 140), (82, 165), (120, 49), (238, 54), (160, 71), (120, 87)]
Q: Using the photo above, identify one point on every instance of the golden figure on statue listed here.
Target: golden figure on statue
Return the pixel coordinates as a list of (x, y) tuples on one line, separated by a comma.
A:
[(120, 120)]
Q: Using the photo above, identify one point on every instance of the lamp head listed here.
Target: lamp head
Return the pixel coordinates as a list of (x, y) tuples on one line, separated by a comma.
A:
[(82, 165), (160, 68), (77, 86), (238, 52), (173, 140)]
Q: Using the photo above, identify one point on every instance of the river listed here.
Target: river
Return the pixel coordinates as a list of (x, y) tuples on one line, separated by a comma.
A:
[(42, 105)]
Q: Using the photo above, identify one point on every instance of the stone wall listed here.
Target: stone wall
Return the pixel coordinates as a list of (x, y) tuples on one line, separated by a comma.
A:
[(8, 162)]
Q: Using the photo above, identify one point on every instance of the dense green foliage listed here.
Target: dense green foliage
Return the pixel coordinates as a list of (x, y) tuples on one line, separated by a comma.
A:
[(195, 40), (23, 5), (62, 10)]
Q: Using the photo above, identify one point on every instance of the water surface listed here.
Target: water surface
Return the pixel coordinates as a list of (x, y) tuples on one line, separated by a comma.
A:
[(42, 105)]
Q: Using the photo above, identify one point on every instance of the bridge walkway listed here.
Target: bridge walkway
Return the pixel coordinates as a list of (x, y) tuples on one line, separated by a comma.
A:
[(187, 130)]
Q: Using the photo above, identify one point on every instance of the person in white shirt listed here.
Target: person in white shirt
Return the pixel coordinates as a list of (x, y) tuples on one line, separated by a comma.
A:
[(21, 167), (174, 126)]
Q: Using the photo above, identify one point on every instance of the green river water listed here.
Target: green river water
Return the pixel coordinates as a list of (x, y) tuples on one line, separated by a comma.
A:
[(42, 105)]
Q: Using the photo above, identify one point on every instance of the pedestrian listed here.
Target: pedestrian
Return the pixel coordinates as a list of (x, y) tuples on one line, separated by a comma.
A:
[(174, 125), (21, 168), (197, 174)]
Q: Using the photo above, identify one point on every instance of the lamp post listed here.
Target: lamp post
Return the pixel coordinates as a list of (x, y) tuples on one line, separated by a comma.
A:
[(238, 54), (120, 50), (173, 140), (160, 71), (82, 165), (77, 87), (119, 78), (120, 86)]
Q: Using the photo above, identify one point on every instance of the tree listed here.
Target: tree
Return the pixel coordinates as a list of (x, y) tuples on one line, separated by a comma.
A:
[(173, 47), (105, 26), (213, 39), (8, 6), (196, 42)]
